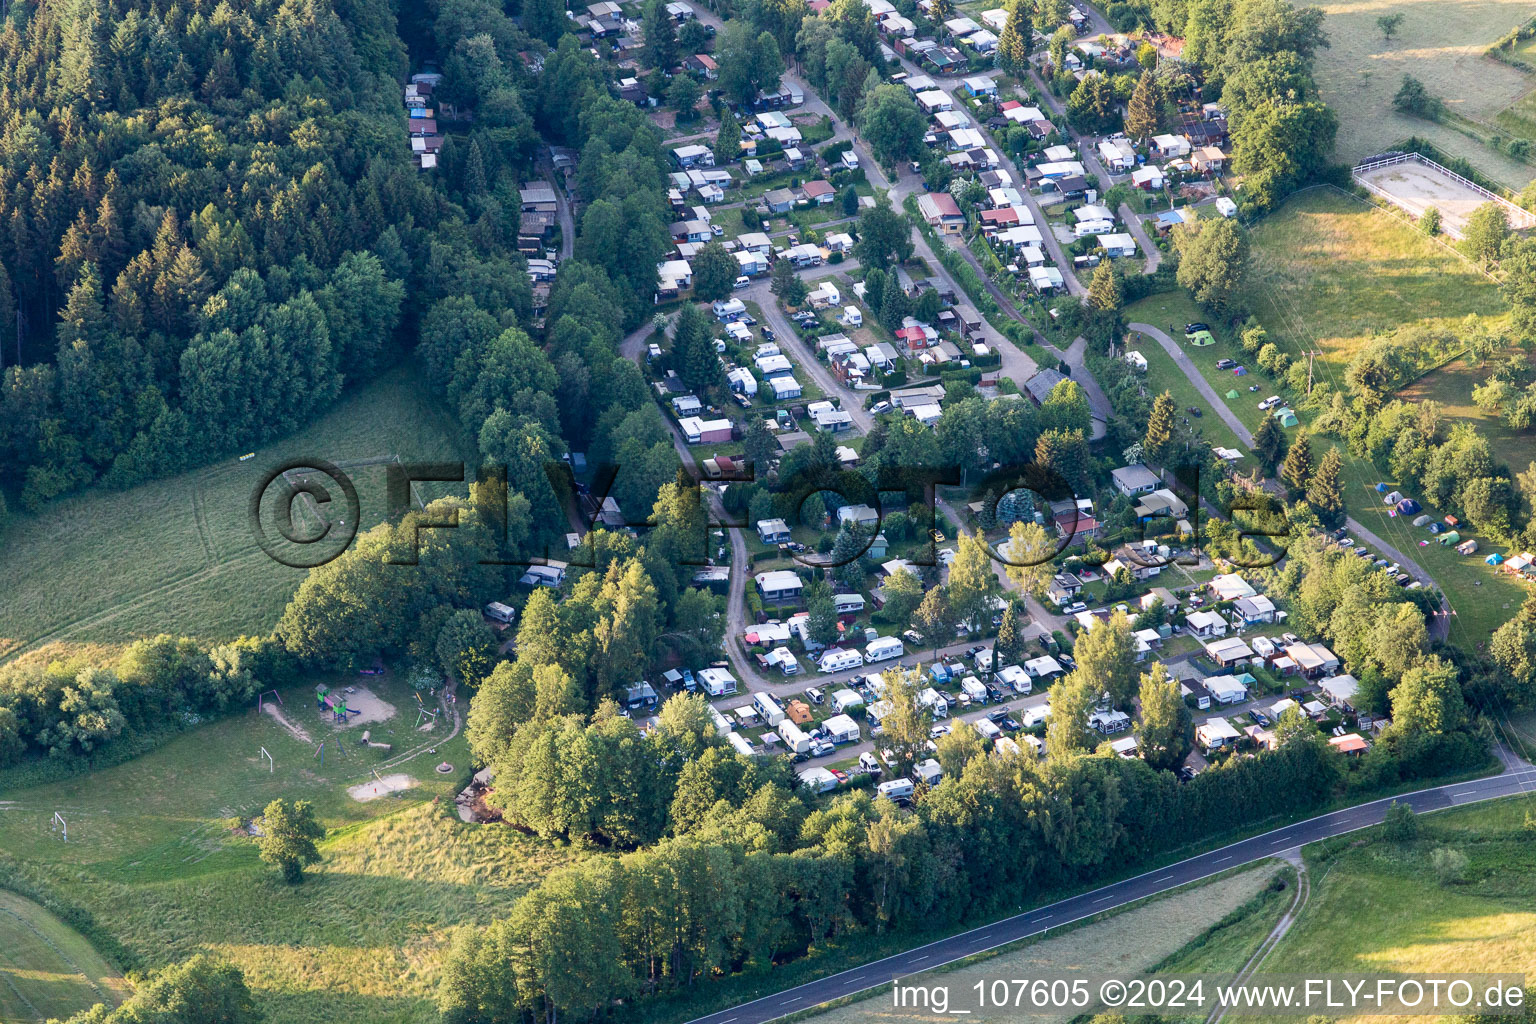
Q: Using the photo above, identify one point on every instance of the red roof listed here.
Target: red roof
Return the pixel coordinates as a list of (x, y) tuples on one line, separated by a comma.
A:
[(942, 203), (1009, 105), (1005, 215), (812, 189), (1085, 522)]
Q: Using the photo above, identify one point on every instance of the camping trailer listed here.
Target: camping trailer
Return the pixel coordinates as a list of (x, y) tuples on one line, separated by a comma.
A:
[(794, 737), (896, 789), (842, 729), (768, 708), (742, 744)]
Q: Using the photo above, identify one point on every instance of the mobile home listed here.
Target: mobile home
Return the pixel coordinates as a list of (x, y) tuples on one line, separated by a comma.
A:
[(883, 649)]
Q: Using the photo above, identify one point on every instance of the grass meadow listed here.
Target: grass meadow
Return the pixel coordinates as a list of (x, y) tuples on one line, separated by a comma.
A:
[(1440, 42), (1377, 906), (1355, 271), (1125, 943), (156, 857), (47, 969), (178, 555), (1329, 271)]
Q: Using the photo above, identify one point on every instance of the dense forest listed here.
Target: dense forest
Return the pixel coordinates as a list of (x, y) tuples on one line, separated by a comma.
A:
[(209, 221)]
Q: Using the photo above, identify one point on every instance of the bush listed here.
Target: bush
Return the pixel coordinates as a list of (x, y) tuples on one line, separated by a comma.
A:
[(1450, 865), (1401, 824)]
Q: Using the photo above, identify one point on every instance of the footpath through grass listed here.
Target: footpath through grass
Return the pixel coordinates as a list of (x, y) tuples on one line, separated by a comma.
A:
[(1378, 906), (156, 857), (178, 555)]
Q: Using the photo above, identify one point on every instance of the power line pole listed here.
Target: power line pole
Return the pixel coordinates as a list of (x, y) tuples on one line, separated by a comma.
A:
[(1311, 354)]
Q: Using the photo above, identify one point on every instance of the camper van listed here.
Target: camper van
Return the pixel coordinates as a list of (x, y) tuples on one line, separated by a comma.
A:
[(768, 708), (883, 649), (896, 789), (869, 764), (974, 690), (794, 737), (989, 730)]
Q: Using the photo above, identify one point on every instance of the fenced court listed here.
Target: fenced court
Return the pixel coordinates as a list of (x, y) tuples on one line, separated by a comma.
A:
[(1414, 183)]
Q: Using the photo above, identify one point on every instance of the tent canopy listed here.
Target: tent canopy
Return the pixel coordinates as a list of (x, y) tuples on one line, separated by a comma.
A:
[(1232, 394), (1450, 537)]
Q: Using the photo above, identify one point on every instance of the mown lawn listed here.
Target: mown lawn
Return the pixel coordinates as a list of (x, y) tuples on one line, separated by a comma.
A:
[(154, 856), (1329, 271), (178, 555)]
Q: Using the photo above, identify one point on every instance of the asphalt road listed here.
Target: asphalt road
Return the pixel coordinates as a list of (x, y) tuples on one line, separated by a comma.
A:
[(1514, 781)]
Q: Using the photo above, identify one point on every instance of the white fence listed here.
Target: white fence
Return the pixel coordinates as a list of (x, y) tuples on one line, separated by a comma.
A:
[(1518, 218)]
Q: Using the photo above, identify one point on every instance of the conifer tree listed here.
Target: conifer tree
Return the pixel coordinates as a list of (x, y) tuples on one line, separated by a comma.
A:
[(1158, 442), (1298, 466), (1325, 490), (1143, 112), (1104, 291), (1014, 44), (1270, 445)]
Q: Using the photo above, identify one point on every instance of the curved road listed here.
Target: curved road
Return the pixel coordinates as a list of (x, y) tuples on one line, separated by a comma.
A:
[(1517, 779), (1439, 624)]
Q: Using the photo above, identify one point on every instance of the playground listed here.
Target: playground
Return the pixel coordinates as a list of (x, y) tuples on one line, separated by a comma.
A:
[(159, 853), (352, 705)]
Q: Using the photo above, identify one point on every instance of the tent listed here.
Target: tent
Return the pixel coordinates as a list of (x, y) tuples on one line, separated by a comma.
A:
[(1381, 488), (1232, 394), (1466, 547), (1392, 499), (1408, 506), (1239, 371), (1421, 521), (1494, 559), (1200, 339), (1436, 528), (1450, 537), (1286, 416)]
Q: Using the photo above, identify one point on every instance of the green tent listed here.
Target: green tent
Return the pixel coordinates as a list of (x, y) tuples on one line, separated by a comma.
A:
[(1451, 537), (1200, 339), (1232, 394), (1286, 417)]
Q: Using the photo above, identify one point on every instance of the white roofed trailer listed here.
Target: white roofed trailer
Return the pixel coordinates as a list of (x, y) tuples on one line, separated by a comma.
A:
[(844, 699), (896, 789), (722, 724), (974, 690), (883, 649), (838, 660), (717, 682), (818, 780), (768, 708), (794, 737), (742, 744), (842, 729)]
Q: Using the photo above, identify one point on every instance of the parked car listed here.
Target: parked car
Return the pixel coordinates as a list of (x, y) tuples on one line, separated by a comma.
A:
[(1067, 660), (840, 775), (1191, 328), (815, 695), (913, 637), (938, 730), (1290, 638), (1261, 718), (880, 407), (1225, 364), (768, 334)]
